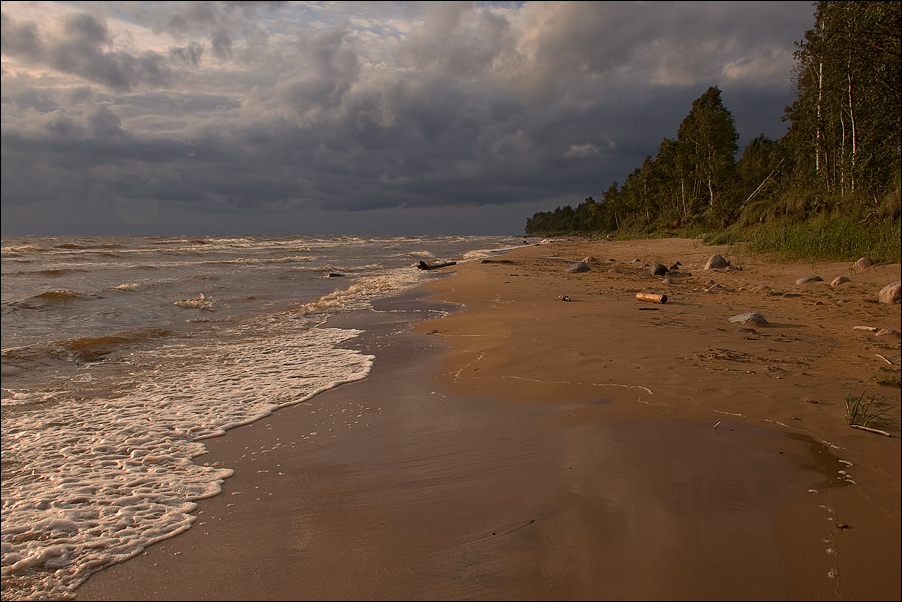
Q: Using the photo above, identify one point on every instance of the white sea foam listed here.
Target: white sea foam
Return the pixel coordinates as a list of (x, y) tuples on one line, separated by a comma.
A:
[(101, 480), (201, 302), (108, 396)]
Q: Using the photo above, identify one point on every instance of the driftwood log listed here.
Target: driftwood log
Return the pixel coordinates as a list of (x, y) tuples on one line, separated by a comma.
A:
[(651, 297), (427, 266)]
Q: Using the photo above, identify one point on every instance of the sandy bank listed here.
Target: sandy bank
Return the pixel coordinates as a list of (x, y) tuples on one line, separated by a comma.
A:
[(526, 447)]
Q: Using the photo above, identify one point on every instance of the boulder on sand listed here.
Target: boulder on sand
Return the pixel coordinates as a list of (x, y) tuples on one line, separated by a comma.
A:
[(863, 263), (748, 317), (716, 262), (659, 270), (891, 293)]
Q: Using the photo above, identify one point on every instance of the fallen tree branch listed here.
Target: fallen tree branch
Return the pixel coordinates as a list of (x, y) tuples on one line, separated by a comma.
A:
[(769, 176), (870, 430)]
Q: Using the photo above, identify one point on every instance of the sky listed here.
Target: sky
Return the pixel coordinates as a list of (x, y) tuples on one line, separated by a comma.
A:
[(380, 118)]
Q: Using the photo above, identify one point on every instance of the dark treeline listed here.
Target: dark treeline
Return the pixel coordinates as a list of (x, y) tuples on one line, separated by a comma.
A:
[(840, 155)]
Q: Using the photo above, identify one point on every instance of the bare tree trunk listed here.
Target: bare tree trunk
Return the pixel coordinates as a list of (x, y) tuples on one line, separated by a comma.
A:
[(820, 96), (852, 119), (842, 156), (683, 195)]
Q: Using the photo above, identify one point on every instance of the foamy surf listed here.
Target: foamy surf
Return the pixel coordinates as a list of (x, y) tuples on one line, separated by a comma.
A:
[(116, 368)]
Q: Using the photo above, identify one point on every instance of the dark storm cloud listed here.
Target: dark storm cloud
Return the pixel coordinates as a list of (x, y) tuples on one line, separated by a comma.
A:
[(190, 55), (19, 39), (222, 45), (80, 50), (279, 111)]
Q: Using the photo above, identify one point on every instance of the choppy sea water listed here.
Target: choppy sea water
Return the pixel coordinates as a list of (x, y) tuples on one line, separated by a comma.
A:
[(120, 355)]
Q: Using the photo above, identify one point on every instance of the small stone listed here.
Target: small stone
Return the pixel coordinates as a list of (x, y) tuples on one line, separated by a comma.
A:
[(839, 280), (578, 266), (807, 279)]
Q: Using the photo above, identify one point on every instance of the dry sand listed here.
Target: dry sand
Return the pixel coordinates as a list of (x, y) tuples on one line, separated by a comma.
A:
[(526, 447)]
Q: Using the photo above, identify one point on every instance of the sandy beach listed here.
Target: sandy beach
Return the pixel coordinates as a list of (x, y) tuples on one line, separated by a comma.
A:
[(554, 438)]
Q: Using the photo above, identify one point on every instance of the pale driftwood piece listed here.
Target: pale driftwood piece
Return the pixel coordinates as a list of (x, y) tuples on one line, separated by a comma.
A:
[(651, 297), (870, 328), (870, 430)]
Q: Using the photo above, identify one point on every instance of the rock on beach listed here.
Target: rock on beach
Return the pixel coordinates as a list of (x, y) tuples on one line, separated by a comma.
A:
[(748, 317), (716, 262), (659, 270), (578, 266), (863, 263), (891, 293)]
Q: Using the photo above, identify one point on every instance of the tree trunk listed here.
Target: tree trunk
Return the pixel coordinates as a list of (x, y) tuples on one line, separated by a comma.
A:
[(820, 96), (852, 119)]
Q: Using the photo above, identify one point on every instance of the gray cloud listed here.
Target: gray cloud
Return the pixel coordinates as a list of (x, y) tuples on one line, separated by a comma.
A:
[(222, 44), (282, 112), (19, 39), (190, 55)]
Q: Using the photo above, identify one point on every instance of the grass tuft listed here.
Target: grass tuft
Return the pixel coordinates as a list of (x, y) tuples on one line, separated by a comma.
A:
[(868, 411), (723, 237)]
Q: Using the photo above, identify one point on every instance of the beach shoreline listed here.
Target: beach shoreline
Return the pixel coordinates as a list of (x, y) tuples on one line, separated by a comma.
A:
[(527, 447)]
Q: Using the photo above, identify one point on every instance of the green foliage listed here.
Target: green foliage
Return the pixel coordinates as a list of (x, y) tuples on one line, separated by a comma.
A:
[(841, 157), (868, 412), (846, 117), (724, 237), (825, 238)]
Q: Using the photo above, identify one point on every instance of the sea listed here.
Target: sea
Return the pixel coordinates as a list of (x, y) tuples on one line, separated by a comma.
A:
[(122, 355)]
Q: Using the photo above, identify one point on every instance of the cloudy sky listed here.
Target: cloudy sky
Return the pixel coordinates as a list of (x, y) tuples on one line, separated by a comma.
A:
[(360, 117)]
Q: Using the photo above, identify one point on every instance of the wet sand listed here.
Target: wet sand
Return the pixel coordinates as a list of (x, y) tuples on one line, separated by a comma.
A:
[(525, 447)]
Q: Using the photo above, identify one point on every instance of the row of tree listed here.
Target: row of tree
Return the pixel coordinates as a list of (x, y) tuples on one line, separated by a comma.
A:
[(841, 153)]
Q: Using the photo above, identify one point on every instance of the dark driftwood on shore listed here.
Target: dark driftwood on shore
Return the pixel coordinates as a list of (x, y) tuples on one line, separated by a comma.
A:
[(425, 266)]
